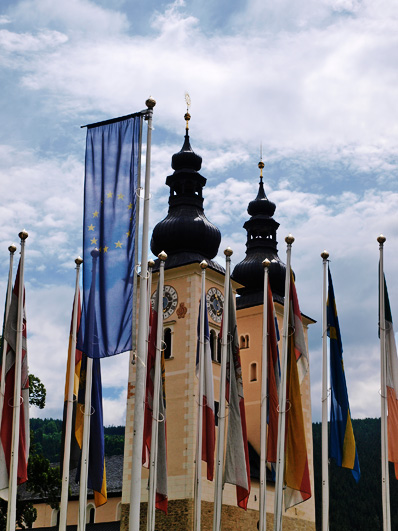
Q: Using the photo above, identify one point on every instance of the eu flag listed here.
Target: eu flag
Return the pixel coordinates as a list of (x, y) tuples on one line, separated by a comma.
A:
[(112, 153), (342, 445)]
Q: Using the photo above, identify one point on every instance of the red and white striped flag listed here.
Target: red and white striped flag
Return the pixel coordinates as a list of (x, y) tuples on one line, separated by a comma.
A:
[(7, 417), (237, 468)]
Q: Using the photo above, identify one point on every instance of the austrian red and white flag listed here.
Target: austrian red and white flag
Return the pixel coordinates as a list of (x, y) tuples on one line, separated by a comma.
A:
[(10, 334), (237, 468), (208, 425)]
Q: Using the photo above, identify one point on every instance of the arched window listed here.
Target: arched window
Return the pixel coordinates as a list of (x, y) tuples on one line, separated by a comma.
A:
[(247, 341), (242, 342), (253, 372), (218, 358), (90, 513), (167, 338), (213, 344)]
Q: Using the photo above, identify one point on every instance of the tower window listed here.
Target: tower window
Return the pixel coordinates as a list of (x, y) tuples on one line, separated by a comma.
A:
[(90, 513), (247, 341), (167, 338), (213, 344), (253, 372), (244, 341)]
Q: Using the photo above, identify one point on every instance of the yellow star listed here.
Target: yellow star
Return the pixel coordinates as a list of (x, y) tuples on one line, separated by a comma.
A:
[(91, 227), (130, 207), (95, 214), (105, 249), (120, 196), (94, 241), (128, 233), (118, 244), (110, 194)]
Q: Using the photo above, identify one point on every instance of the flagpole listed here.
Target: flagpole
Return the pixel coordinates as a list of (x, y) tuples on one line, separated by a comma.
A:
[(155, 406), (263, 406), (221, 410), (12, 489), (325, 449), (385, 480), (69, 408), (12, 248), (280, 464), (198, 464), (140, 371)]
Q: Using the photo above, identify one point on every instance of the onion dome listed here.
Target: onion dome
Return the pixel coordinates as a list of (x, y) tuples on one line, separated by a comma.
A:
[(185, 233), (261, 244)]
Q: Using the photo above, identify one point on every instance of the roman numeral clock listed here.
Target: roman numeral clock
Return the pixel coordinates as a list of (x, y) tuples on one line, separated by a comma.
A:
[(170, 301), (215, 304)]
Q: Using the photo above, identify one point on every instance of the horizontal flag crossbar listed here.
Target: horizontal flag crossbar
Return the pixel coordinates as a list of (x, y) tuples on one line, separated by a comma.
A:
[(115, 120)]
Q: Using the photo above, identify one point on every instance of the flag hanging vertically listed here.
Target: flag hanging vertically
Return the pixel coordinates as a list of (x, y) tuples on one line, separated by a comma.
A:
[(7, 416), (392, 384), (208, 424), (112, 153), (273, 374), (342, 445), (161, 468), (74, 445), (96, 460), (237, 468), (297, 478)]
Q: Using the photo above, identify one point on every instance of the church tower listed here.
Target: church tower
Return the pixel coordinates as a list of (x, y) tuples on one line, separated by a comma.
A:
[(261, 244)]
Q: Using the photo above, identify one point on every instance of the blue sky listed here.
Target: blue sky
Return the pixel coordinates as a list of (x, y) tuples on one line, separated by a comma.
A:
[(314, 81)]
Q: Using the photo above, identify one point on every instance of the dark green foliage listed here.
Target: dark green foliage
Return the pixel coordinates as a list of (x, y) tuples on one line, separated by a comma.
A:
[(355, 506), (37, 392)]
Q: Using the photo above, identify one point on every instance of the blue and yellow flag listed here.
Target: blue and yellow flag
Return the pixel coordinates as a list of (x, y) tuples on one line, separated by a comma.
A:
[(342, 445), (112, 156)]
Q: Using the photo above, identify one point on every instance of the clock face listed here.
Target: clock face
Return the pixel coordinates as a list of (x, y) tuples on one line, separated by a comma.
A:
[(170, 300), (215, 304)]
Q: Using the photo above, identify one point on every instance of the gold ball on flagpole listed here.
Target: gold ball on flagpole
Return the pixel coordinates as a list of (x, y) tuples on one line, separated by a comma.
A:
[(151, 263), (266, 263), (95, 253), (150, 103), (79, 261), (162, 256), (12, 248), (381, 239), (23, 234), (203, 264), (325, 255), (228, 251), (289, 239)]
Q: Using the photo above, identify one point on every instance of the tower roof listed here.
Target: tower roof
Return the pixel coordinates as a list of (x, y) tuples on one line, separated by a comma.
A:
[(261, 244), (185, 233)]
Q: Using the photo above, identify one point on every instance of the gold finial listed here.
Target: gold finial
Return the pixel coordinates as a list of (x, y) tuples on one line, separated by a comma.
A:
[(187, 116), (150, 102), (151, 263), (162, 256), (228, 251), (203, 264), (95, 253), (381, 239), (325, 255), (266, 263), (23, 234), (12, 248), (79, 261), (289, 239), (261, 163)]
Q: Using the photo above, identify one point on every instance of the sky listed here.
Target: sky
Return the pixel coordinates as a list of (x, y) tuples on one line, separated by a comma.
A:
[(312, 81)]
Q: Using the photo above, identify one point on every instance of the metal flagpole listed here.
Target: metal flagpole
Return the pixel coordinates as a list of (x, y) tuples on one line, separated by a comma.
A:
[(325, 449), (69, 408), (199, 433), (263, 406), (12, 248), (221, 410), (385, 480), (12, 489), (280, 464), (155, 406), (140, 372)]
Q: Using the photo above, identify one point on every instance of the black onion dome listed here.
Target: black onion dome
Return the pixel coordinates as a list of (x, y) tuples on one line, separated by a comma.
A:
[(261, 244), (185, 233)]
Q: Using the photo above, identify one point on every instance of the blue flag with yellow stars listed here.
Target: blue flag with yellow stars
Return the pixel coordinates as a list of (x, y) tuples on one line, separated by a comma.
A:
[(112, 153), (342, 442)]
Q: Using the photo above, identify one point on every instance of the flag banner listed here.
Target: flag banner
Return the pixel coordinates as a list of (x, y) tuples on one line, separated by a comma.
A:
[(74, 446), (161, 468), (112, 153), (392, 385), (273, 383), (208, 425), (297, 477), (342, 445), (8, 407), (96, 460), (237, 468)]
